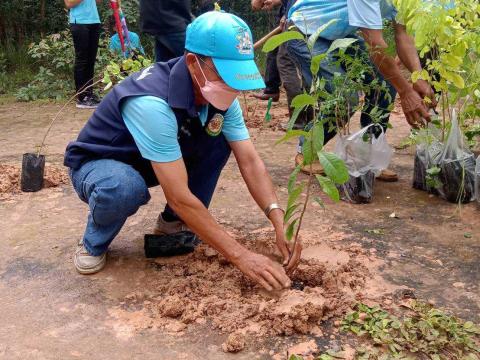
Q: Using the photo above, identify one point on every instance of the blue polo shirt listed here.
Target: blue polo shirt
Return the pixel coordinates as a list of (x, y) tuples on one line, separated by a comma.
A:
[(309, 15), (154, 128), (84, 13)]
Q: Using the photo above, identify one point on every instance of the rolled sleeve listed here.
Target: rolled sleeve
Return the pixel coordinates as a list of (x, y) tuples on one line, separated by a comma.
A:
[(153, 126), (365, 14)]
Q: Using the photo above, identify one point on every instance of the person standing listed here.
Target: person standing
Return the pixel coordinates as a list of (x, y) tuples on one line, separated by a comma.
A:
[(281, 68), (85, 27), (365, 17), (167, 21)]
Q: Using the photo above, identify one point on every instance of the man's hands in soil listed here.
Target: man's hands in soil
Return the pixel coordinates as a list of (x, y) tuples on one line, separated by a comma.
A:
[(291, 257), (263, 271)]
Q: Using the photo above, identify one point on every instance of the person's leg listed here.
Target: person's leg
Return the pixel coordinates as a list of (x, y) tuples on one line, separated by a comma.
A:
[(80, 35), (113, 191), (299, 52), (162, 53), (380, 99), (169, 46), (328, 68), (272, 77), (94, 37), (292, 82)]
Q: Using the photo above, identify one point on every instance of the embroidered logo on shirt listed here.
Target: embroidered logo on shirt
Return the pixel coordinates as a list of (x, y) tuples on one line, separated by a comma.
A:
[(244, 45), (145, 73), (215, 125)]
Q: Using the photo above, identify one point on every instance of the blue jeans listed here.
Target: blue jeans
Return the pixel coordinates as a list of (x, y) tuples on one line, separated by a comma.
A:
[(328, 67), (169, 46), (114, 190)]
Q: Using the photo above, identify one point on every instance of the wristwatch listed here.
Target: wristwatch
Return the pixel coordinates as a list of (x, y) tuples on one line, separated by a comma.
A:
[(271, 207)]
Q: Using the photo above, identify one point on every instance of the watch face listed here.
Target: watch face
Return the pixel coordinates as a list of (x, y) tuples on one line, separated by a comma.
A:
[(215, 125)]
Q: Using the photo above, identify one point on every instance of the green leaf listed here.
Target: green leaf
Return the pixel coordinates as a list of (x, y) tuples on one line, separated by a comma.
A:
[(303, 100), (268, 117), (334, 167), (290, 212), (290, 134), (320, 202), (277, 40), (290, 230), (293, 196), (458, 81), (309, 154), (293, 119), (312, 39), (318, 136), (328, 187), (293, 178), (341, 44), (315, 64), (295, 357)]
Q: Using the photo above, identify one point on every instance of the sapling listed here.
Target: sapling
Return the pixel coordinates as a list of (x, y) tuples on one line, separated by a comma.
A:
[(447, 35), (33, 164), (322, 102)]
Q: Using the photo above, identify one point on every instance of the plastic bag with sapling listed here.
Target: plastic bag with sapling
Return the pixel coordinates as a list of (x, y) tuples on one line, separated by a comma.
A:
[(457, 167), (365, 157), (427, 157)]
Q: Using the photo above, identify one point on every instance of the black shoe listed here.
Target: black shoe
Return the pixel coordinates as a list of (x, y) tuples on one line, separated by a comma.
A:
[(94, 97), (87, 102)]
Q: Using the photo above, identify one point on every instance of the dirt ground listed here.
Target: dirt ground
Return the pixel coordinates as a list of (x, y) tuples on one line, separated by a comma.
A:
[(197, 306)]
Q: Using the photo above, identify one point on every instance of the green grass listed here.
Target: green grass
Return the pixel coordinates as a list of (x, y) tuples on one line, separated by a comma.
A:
[(17, 68)]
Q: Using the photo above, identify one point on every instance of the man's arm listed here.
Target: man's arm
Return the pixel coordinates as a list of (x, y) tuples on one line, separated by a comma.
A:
[(265, 4), (412, 103), (261, 188), (174, 181), (71, 3), (408, 54), (257, 4)]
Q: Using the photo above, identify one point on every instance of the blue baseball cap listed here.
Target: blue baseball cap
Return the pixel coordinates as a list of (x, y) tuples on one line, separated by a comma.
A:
[(227, 39)]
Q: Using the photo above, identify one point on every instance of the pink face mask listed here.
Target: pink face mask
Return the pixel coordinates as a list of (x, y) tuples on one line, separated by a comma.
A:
[(217, 92)]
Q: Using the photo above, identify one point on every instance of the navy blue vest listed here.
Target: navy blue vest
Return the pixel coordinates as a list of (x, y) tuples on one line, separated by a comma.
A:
[(105, 135)]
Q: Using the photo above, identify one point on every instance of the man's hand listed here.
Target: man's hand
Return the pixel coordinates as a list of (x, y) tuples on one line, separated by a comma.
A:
[(291, 257), (425, 91), (270, 4), (263, 271), (414, 108)]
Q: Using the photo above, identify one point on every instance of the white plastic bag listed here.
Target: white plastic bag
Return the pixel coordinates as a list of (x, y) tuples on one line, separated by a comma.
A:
[(362, 156), (457, 165)]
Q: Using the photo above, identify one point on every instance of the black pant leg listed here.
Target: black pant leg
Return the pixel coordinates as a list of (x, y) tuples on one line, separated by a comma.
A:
[(94, 37), (81, 40), (272, 76)]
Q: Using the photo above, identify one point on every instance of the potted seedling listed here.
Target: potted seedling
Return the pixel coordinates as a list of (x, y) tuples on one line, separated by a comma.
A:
[(33, 164), (448, 38)]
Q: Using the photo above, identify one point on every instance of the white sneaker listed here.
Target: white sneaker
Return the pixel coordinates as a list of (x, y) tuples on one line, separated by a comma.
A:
[(86, 263), (163, 227)]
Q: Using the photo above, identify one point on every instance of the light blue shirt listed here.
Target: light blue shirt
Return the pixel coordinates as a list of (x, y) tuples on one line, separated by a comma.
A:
[(85, 13), (154, 127), (309, 15), (116, 46)]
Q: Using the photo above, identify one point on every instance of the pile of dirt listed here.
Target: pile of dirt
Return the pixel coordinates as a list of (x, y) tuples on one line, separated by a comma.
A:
[(10, 179), (204, 288)]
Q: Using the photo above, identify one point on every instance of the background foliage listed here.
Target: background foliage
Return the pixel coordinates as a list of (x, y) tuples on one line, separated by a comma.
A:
[(30, 56)]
